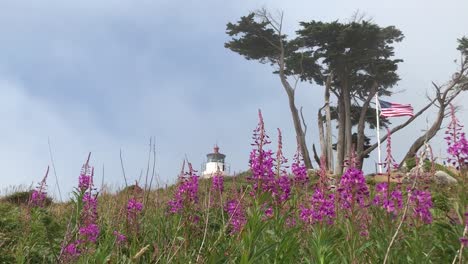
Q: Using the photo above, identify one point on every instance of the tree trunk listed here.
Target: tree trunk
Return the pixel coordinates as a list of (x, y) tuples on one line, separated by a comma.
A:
[(328, 128), (322, 137), (299, 131), (341, 137), (300, 135), (362, 125), (419, 142), (348, 142)]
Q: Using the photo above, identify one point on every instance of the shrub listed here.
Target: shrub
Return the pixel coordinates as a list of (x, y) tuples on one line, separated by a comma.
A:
[(22, 198)]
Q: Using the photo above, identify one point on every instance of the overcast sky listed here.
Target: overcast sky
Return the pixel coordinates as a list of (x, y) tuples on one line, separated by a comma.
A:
[(100, 76)]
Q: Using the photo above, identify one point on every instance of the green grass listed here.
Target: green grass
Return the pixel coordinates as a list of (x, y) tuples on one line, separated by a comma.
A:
[(35, 235)]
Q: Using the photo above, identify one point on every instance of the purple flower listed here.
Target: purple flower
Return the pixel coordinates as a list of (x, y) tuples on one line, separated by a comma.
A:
[(391, 203), (72, 249), (457, 143), (217, 183), (90, 232), (321, 208), (236, 215), (39, 195), (291, 222), (353, 189), (269, 212), (89, 213), (186, 193), (85, 180), (283, 189), (134, 205), (421, 202), (261, 161), (298, 168), (120, 238), (175, 205), (261, 165), (88, 229), (464, 241)]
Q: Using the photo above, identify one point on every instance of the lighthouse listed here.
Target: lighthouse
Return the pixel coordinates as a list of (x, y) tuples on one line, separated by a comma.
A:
[(215, 162)]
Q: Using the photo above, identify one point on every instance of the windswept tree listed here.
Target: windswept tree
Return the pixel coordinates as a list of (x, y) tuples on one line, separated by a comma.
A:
[(259, 36), (353, 61), (356, 61)]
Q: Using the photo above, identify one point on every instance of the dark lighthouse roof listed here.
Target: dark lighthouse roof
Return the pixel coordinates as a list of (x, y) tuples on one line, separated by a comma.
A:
[(215, 156)]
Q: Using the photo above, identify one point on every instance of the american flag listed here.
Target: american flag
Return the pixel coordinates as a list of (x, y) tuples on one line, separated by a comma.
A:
[(388, 109)]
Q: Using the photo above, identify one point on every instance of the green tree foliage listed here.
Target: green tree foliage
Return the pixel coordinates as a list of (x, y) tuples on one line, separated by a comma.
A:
[(359, 56)]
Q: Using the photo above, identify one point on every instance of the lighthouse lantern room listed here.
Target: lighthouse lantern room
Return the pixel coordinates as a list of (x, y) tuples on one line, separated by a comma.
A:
[(214, 162)]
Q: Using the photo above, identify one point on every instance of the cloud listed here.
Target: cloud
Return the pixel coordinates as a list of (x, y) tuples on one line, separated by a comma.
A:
[(28, 125), (102, 76)]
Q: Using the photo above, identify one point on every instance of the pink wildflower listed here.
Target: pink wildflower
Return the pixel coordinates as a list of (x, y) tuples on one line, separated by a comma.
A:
[(120, 238), (186, 193), (353, 189), (39, 195), (298, 168), (457, 142), (321, 208), (391, 203), (237, 218), (421, 202)]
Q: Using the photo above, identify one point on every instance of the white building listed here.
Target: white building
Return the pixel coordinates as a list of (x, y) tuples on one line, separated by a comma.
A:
[(214, 162)]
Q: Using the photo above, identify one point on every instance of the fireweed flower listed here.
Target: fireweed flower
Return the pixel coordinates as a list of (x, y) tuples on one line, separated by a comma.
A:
[(217, 183), (134, 207), (89, 213), (120, 238), (72, 249), (283, 189), (298, 168), (186, 193), (269, 212), (322, 204), (457, 143), (291, 222), (90, 232), (392, 202), (88, 229), (352, 189), (464, 241), (421, 203), (321, 208), (39, 195), (236, 214), (85, 180), (261, 161)]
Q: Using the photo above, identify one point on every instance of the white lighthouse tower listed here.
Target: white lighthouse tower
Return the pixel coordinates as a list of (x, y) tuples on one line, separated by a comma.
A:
[(215, 162)]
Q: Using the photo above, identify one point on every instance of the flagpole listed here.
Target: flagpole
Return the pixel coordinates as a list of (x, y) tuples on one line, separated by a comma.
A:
[(378, 131)]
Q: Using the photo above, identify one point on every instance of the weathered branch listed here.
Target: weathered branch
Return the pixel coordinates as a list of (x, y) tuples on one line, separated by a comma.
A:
[(444, 98), (290, 91)]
